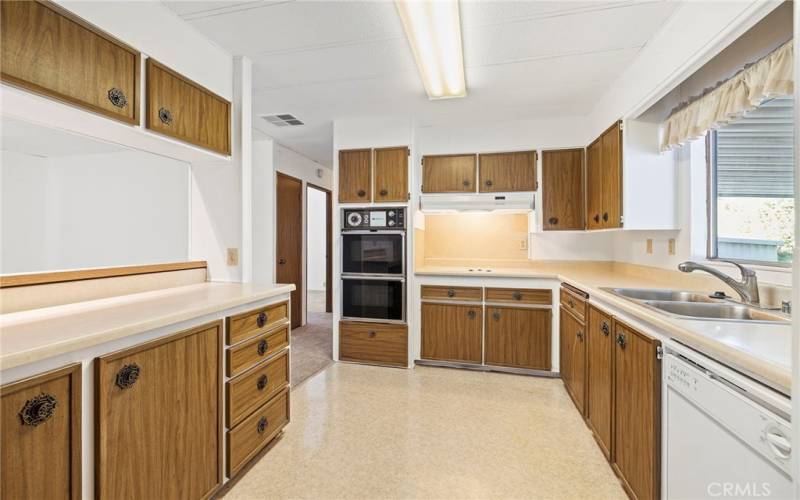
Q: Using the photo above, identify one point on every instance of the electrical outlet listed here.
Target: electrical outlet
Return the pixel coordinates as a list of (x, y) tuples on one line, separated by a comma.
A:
[(649, 246), (233, 256), (523, 244), (671, 246)]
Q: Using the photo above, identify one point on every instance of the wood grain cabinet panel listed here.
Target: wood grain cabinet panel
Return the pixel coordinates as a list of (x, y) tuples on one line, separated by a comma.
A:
[(391, 174), (452, 332), (47, 50), (600, 377), (518, 337), (41, 443), (255, 387), (449, 173), (594, 186), (245, 325), (375, 343), (563, 189), (250, 436), (246, 355), (611, 160), (458, 293), (573, 302), (182, 109), (519, 296), (637, 411), (507, 172), (355, 176), (158, 418), (573, 357)]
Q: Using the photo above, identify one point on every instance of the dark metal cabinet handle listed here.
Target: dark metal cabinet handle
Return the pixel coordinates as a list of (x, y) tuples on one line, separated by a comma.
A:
[(579, 334), (605, 217), (621, 340), (261, 320), (451, 293), (517, 295), (605, 328), (553, 221), (471, 314), (361, 193), (384, 192), (262, 382), (571, 302), (371, 334), (465, 182), (165, 116), (489, 182), (282, 261), (128, 375), (38, 410), (597, 218), (117, 97), (496, 316), (263, 345), (262, 425)]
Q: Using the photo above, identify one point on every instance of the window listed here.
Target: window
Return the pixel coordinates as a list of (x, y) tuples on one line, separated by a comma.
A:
[(751, 186)]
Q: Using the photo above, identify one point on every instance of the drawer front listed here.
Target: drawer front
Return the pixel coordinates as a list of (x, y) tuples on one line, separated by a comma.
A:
[(50, 51), (573, 303), (248, 438), (246, 325), (519, 296), (246, 355), (379, 343), (458, 293), (254, 387)]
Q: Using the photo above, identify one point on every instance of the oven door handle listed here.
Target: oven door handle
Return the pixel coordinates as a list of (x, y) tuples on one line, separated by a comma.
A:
[(374, 277)]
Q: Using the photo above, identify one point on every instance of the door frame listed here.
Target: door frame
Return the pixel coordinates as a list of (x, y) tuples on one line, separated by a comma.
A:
[(328, 243), (301, 257)]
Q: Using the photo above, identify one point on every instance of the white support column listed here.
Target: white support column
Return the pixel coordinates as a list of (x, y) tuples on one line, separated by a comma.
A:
[(242, 135)]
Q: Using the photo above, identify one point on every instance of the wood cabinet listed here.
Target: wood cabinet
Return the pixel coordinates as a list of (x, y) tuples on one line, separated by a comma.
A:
[(355, 176), (391, 174), (563, 205), (518, 337), (246, 325), (158, 417), (374, 343), (255, 387), (457, 293), (449, 173), (507, 172), (600, 378), (604, 180), (594, 186), (41, 444), (573, 357), (247, 439), (182, 109), (637, 412), (47, 50), (452, 332)]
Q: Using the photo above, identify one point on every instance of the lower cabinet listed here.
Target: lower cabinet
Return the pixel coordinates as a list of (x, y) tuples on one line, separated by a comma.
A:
[(41, 444), (159, 417), (600, 377), (248, 438), (573, 357), (373, 343), (518, 337), (452, 332)]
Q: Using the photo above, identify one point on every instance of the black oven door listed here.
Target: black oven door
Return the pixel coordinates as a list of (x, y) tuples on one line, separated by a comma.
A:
[(378, 254), (376, 299)]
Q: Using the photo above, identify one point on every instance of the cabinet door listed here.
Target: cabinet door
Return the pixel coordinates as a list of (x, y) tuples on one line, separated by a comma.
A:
[(41, 445), (599, 377), (573, 357), (452, 332), (518, 337), (562, 189), (391, 174), (594, 186), (505, 172), (449, 173), (47, 50), (611, 160), (637, 410), (158, 422), (355, 176)]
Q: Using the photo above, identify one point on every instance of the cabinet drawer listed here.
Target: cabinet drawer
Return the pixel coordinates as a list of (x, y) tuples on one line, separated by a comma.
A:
[(245, 325), (519, 296), (256, 431), (251, 352), (573, 303), (458, 293), (254, 387), (47, 50), (180, 108), (380, 343), (41, 445)]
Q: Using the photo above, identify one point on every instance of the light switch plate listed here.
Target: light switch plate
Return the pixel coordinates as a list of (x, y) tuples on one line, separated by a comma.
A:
[(233, 256), (672, 246), (649, 246)]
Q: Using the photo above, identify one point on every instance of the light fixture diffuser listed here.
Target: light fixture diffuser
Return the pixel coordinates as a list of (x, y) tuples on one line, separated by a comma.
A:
[(433, 28)]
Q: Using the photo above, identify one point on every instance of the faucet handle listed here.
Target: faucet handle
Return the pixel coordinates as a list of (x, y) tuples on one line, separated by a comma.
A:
[(746, 271)]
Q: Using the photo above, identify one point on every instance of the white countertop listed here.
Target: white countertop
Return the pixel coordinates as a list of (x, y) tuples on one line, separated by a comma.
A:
[(36, 334)]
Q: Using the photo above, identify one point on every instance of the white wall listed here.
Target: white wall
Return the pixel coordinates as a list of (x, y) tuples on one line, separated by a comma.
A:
[(316, 211), (263, 196)]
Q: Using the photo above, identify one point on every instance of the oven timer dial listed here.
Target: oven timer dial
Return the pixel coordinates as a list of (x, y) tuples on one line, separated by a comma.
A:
[(354, 219)]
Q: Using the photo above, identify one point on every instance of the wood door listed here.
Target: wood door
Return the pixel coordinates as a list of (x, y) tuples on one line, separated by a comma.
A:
[(391, 174), (355, 176), (599, 378), (507, 172), (449, 173), (563, 200), (573, 357), (47, 50), (158, 417), (289, 241), (452, 332), (518, 337), (41, 444), (594, 186), (637, 412), (611, 160)]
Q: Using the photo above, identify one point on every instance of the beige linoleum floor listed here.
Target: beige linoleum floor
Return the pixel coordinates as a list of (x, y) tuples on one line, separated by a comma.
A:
[(361, 432)]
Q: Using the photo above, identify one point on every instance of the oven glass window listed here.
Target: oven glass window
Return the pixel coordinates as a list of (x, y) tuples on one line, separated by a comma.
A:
[(372, 253), (372, 299)]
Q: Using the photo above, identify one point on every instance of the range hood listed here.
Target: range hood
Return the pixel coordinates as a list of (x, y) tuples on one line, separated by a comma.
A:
[(477, 202)]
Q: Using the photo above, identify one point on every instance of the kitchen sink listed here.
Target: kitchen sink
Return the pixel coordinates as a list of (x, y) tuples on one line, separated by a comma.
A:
[(660, 295), (715, 311)]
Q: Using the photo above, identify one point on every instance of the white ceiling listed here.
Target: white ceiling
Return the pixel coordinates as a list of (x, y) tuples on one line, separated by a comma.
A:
[(326, 60)]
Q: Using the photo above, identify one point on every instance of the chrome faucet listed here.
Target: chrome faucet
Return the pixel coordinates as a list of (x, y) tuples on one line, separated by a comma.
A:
[(747, 288)]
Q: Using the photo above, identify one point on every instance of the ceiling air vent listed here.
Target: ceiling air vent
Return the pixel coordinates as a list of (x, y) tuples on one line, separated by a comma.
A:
[(282, 120)]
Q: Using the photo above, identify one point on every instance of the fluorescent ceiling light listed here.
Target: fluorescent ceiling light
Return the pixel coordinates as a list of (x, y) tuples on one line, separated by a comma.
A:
[(433, 28)]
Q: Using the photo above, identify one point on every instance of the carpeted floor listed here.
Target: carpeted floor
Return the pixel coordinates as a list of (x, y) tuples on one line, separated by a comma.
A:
[(312, 348)]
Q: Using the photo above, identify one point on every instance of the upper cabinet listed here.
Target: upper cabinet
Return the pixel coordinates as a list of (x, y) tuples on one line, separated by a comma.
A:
[(562, 189), (47, 50), (507, 172), (355, 176), (387, 166), (449, 173), (604, 192), (180, 108), (391, 174), (594, 186)]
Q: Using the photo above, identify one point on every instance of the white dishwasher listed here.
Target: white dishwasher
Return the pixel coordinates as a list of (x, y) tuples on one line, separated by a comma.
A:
[(724, 434)]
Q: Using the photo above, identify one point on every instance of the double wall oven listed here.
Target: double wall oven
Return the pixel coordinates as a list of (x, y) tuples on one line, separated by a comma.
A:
[(374, 264)]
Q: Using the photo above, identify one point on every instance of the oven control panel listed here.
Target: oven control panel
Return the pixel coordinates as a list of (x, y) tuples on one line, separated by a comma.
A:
[(374, 218)]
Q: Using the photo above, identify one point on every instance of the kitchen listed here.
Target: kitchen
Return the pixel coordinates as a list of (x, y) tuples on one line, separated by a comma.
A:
[(512, 247)]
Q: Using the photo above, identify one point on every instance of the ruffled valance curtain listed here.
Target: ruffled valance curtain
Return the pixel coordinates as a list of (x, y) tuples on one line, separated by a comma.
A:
[(770, 77)]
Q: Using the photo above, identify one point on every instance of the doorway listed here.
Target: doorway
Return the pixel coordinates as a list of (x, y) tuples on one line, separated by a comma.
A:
[(319, 241), (289, 240)]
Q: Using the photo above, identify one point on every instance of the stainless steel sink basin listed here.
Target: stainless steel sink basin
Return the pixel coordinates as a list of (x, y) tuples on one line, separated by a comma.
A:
[(715, 311), (661, 295)]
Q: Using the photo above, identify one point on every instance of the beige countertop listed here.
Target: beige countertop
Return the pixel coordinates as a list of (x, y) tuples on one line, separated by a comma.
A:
[(29, 336), (760, 350)]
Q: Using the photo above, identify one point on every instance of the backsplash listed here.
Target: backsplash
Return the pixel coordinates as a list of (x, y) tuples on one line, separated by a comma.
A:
[(476, 238)]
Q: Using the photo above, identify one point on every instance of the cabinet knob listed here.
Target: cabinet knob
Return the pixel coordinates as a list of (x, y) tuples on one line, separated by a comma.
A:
[(262, 382), (262, 347), (371, 334), (38, 410), (471, 314), (361, 193), (282, 261), (465, 183), (261, 320), (384, 192), (605, 328), (451, 293), (262, 425), (605, 217), (579, 334), (489, 182), (621, 340), (165, 116), (553, 220), (596, 218), (496, 315), (128, 375), (517, 295), (571, 303), (117, 97)]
